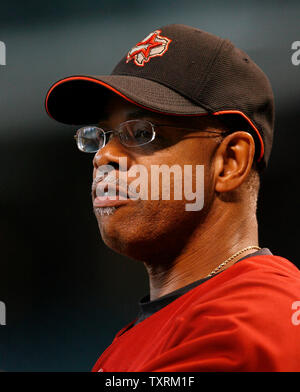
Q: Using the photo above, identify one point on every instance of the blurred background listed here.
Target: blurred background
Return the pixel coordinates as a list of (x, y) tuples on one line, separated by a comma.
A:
[(66, 293)]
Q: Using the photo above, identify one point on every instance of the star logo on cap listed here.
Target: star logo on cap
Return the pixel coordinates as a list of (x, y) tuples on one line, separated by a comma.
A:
[(152, 46)]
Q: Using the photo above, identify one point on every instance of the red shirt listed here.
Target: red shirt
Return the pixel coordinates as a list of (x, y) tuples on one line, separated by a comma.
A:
[(238, 320)]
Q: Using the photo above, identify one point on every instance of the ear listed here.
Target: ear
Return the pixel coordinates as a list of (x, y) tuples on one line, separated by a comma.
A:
[(233, 161)]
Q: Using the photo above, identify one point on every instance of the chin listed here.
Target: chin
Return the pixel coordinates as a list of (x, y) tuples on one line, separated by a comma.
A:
[(140, 242), (124, 239), (146, 231)]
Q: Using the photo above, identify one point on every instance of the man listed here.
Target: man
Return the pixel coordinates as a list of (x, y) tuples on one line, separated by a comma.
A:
[(183, 98)]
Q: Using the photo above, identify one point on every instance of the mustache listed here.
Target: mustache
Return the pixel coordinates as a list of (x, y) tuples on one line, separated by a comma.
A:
[(110, 179)]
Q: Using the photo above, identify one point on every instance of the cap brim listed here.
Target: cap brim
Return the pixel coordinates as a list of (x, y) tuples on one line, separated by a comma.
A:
[(81, 99)]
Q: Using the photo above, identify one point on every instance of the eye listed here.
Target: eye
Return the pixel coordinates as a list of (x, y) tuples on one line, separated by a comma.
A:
[(141, 134)]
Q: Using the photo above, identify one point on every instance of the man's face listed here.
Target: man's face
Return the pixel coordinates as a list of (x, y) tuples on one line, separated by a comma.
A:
[(147, 229)]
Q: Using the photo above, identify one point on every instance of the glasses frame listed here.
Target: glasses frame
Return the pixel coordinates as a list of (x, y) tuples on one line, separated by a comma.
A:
[(117, 131)]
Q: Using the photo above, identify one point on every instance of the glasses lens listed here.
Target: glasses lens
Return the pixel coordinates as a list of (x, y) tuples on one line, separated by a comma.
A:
[(136, 133), (90, 139)]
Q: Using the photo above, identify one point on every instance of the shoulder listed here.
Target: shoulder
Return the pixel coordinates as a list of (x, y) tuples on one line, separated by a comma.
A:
[(258, 283), (265, 273), (246, 312)]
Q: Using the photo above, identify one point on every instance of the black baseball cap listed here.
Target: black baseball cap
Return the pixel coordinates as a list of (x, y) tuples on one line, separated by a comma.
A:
[(175, 70)]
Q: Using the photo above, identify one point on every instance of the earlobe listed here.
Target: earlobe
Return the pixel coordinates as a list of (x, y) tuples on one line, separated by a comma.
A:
[(233, 161)]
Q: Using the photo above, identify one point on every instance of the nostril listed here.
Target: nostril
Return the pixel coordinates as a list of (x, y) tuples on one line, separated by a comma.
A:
[(115, 165)]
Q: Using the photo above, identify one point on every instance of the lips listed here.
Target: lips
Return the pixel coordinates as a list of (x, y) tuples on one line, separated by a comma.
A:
[(109, 195), (106, 201)]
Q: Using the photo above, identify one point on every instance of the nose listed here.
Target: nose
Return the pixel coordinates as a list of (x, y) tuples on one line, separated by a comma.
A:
[(111, 153)]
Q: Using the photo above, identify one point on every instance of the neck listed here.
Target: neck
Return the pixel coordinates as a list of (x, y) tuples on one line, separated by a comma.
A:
[(220, 236)]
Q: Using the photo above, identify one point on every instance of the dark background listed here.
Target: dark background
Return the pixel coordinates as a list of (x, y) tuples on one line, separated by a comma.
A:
[(66, 293)]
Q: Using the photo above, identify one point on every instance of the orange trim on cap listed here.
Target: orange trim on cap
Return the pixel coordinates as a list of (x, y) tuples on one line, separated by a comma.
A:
[(115, 91), (90, 79), (252, 125)]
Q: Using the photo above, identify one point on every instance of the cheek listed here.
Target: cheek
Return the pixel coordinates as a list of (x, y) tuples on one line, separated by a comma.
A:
[(152, 217), (182, 172), (171, 178), (150, 221)]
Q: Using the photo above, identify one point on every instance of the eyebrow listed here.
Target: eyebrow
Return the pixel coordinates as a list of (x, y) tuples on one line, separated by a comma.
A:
[(138, 113)]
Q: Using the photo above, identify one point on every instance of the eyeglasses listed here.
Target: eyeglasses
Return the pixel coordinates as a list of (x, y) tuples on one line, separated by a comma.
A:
[(131, 133)]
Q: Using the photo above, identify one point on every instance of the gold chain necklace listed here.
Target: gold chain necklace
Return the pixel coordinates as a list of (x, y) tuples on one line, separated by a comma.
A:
[(231, 258)]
